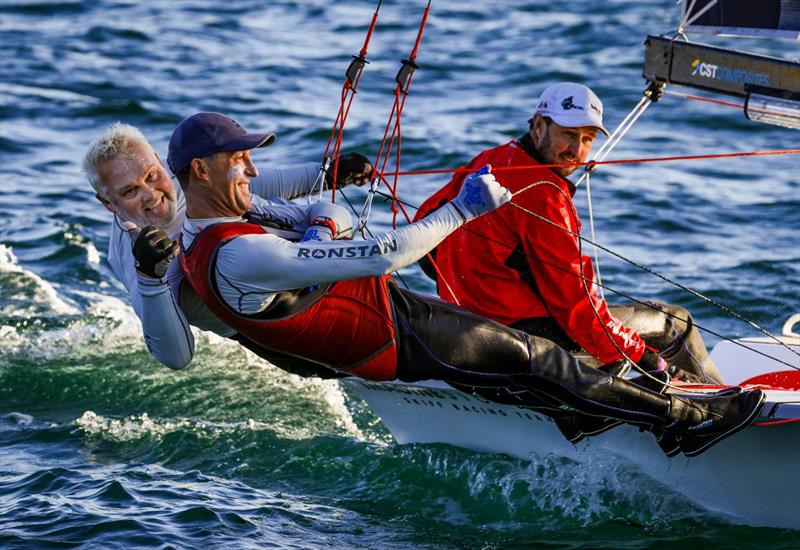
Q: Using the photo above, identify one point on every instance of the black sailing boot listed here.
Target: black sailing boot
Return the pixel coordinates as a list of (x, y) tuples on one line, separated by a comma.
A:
[(588, 425), (702, 422), (668, 439)]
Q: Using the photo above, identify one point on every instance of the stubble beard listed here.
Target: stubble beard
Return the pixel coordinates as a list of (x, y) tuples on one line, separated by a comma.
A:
[(546, 150), (162, 221)]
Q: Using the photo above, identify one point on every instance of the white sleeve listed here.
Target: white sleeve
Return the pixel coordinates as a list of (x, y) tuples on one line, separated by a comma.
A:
[(285, 183), (251, 268), (278, 214), (166, 330)]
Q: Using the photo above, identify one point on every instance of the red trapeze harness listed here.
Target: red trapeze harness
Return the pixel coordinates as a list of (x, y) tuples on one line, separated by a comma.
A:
[(347, 326)]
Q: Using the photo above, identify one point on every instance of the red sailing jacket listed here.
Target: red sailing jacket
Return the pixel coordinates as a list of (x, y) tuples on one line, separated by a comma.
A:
[(486, 264), (348, 327)]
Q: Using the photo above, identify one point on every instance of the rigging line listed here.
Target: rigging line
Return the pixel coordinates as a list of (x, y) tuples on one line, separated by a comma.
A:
[(648, 304), (631, 364), (620, 293), (720, 306), (353, 208), (642, 160), (600, 155), (685, 14), (353, 77), (776, 422), (349, 89), (403, 79), (594, 235), (704, 329), (650, 95), (584, 281), (697, 15), (396, 200)]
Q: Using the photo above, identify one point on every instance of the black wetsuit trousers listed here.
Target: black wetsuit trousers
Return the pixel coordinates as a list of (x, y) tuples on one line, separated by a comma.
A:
[(440, 341), (668, 328)]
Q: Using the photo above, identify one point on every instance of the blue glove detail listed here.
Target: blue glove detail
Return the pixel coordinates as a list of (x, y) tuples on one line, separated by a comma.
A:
[(481, 193)]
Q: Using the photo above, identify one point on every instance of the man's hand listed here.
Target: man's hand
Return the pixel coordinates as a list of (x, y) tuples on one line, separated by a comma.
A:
[(651, 361), (354, 168), (153, 251), (481, 193)]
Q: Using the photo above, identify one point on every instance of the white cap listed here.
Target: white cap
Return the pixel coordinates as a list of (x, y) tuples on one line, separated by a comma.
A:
[(572, 105)]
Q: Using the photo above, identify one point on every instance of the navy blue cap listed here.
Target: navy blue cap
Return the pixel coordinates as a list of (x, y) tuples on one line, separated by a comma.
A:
[(206, 134)]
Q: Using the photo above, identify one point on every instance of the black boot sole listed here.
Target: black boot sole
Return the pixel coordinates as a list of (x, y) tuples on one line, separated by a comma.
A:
[(693, 443)]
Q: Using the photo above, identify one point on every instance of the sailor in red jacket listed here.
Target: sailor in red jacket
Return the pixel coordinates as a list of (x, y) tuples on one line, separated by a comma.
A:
[(332, 302), (526, 269)]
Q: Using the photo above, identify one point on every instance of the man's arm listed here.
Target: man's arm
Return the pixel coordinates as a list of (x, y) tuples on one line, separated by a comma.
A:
[(251, 268), (164, 326), (298, 181), (285, 183), (559, 268)]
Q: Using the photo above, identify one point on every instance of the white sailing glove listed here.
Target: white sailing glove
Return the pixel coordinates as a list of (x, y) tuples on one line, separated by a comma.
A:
[(481, 193)]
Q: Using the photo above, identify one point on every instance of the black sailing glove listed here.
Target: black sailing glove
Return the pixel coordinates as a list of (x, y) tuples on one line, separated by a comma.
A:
[(153, 251), (353, 168)]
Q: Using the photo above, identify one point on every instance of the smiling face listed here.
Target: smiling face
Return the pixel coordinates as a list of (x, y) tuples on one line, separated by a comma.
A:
[(138, 187), (561, 144), (227, 181)]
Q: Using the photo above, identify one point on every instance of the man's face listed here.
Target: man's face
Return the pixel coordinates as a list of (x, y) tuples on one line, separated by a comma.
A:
[(560, 144), (229, 178), (138, 188)]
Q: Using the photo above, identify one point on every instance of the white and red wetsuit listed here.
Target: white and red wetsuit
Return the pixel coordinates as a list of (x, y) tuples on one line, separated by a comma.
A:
[(331, 303)]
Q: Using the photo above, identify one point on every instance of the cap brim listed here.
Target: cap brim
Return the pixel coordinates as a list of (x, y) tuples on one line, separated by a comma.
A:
[(574, 122), (248, 141)]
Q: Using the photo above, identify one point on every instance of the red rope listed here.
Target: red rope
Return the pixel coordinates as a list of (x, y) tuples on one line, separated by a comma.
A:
[(349, 89), (776, 422), (422, 24), (598, 163), (363, 52), (705, 99), (728, 104), (396, 133)]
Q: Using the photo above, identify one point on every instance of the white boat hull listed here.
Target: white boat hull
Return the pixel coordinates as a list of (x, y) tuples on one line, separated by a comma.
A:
[(754, 476)]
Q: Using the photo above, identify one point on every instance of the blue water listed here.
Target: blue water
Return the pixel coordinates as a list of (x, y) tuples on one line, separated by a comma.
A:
[(101, 447)]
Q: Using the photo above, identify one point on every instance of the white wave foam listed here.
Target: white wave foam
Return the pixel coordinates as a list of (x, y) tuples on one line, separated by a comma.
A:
[(75, 238), (583, 492), (335, 399), (43, 301), (136, 427), (46, 93), (107, 325)]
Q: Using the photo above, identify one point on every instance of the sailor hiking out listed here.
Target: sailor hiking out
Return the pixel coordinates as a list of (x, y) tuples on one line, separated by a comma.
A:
[(332, 302), (130, 180)]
